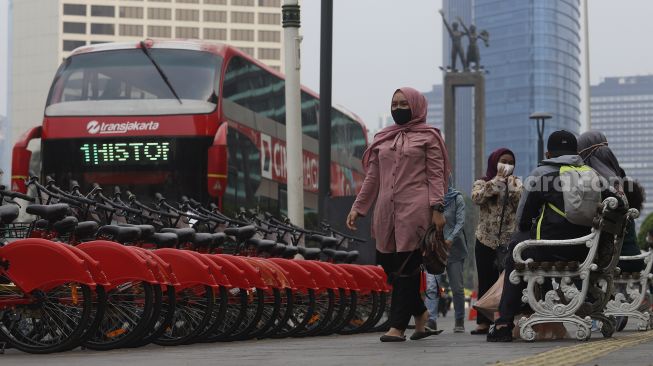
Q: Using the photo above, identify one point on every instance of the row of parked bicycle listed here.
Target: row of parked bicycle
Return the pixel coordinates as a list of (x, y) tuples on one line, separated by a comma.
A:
[(103, 273)]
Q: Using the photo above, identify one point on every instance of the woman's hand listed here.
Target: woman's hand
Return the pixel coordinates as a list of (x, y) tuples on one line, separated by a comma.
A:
[(351, 220), (438, 220)]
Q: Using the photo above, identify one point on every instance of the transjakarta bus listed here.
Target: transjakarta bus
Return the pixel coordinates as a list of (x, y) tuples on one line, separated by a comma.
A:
[(183, 118)]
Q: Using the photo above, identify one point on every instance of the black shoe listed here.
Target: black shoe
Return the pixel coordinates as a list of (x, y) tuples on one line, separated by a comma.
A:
[(500, 335), (389, 338), (419, 335), (479, 331)]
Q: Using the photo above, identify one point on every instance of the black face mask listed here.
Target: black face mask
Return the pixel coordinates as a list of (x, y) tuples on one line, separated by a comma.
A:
[(401, 115)]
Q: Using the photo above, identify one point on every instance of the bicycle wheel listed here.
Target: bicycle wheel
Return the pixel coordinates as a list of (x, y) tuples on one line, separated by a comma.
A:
[(350, 311), (193, 311), (271, 309), (301, 311), (285, 310), (45, 321), (162, 317), (366, 310), (97, 312), (253, 314), (324, 306), (220, 305), (235, 311), (383, 324), (341, 301), (128, 313)]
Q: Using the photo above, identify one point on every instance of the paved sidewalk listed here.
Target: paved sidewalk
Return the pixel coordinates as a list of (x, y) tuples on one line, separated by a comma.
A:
[(446, 349)]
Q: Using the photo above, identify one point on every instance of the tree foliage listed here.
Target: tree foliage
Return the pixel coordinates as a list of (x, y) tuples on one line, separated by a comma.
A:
[(644, 228)]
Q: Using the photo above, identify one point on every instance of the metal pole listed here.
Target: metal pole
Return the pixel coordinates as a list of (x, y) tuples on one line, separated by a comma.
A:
[(588, 115), (292, 40), (326, 53), (540, 140), (6, 128)]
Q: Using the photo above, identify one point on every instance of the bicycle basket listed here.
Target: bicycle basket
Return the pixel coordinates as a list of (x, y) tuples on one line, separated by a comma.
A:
[(17, 230)]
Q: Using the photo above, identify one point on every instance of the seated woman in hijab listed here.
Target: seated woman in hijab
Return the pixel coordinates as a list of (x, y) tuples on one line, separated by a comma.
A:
[(593, 148)]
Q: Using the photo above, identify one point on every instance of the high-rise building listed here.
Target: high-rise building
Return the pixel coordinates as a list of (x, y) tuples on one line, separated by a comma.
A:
[(622, 108), (533, 65), (46, 31), (464, 169), (435, 111)]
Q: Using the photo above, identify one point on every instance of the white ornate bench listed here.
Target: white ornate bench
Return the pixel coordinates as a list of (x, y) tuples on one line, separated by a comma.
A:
[(631, 291), (581, 290)]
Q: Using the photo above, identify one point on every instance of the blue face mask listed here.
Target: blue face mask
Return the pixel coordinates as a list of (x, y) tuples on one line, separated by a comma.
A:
[(402, 115)]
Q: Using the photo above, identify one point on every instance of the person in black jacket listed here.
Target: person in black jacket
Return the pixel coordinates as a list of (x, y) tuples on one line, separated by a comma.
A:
[(538, 217)]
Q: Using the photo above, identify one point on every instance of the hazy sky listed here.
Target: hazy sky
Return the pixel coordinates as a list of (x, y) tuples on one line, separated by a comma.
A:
[(379, 45)]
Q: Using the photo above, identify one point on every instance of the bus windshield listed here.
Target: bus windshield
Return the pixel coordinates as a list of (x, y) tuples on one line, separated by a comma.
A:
[(126, 82)]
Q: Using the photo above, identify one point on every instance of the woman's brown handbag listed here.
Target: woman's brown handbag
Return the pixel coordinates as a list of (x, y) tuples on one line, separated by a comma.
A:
[(435, 251)]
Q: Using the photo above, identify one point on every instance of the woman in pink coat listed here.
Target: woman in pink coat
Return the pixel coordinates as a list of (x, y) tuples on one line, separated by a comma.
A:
[(405, 167)]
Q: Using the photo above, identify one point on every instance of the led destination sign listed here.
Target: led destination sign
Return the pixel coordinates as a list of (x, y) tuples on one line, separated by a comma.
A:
[(125, 153)]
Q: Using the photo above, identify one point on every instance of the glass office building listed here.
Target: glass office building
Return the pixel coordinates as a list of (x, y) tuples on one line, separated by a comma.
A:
[(533, 65), (622, 108)]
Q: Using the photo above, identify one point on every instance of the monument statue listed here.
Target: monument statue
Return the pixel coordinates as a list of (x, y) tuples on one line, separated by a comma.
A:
[(456, 43), (473, 53)]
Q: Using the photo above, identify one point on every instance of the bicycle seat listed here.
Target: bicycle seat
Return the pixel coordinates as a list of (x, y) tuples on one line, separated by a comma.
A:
[(352, 256), (65, 225), (219, 239), (290, 252), (325, 241), (241, 233), (278, 249), (41, 224), (120, 234), (86, 229), (8, 214), (164, 240), (184, 235), (49, 212), (262, 245), (310, 253), (340, 256), (329, 253), (146, 230), (203, 240)]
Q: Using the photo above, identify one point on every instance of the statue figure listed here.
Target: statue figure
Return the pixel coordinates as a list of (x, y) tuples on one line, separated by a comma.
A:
[(456, 42), (473, 53)]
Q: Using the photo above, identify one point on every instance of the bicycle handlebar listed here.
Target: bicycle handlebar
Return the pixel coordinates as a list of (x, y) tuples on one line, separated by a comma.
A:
[(13, 194)]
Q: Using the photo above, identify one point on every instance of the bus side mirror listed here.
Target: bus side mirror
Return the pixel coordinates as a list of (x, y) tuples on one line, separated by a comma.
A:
[(20, 159), (217, 164)]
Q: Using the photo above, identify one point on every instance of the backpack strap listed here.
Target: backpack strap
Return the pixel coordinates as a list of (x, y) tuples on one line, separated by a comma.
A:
[(556, 210)]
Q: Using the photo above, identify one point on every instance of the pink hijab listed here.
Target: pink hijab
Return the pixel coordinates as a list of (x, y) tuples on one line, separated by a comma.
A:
[(418, 106)]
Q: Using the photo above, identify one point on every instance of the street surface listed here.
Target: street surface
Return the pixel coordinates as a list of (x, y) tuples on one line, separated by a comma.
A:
[(629, 347)]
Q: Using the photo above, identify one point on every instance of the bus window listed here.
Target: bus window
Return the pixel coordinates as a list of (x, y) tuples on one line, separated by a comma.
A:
[(96, 81), (347, 135), (244, 173), (254, 88), (310, 111)]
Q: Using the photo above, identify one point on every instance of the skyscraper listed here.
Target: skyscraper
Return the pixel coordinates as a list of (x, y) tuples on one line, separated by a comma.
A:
[(464, 169), (533, 64), (435, 111), (48, 30), (622, 108)]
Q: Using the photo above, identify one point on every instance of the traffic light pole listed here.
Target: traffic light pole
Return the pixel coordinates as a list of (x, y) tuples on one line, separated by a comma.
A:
[(326, 56)]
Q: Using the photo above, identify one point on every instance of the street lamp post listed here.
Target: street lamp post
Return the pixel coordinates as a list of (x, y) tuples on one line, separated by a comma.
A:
[(540, 117)]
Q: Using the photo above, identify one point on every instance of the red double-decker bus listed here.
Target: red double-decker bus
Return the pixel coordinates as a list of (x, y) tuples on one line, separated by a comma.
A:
[(183, 118)]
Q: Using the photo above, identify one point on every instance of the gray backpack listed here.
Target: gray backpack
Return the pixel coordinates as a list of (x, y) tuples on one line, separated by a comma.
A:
[(581, 194)]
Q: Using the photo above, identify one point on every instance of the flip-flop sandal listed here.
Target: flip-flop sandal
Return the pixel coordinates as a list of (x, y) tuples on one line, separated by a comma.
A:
[(428, 333), (388, 338)]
